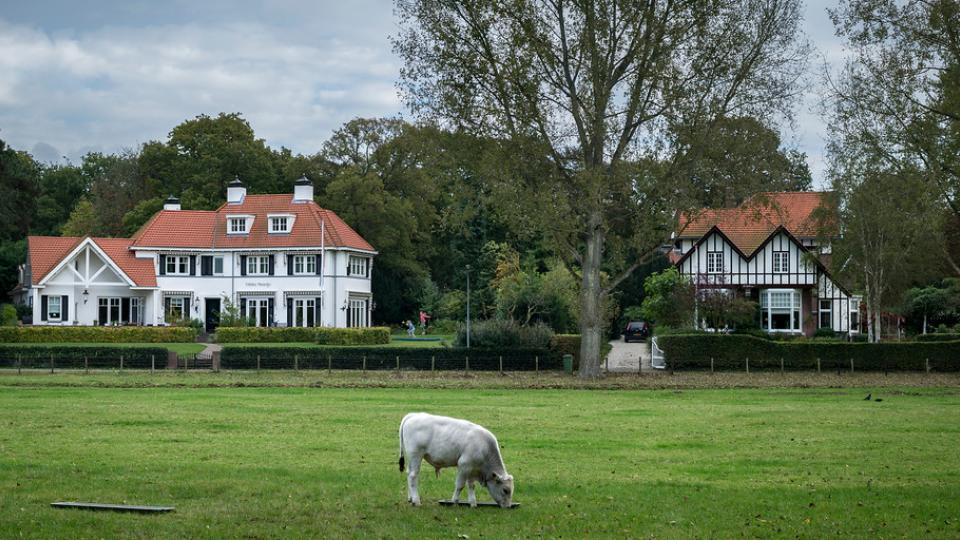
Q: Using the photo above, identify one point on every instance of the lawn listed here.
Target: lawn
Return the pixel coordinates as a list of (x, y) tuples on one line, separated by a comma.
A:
[(179, 348), (321, 462)]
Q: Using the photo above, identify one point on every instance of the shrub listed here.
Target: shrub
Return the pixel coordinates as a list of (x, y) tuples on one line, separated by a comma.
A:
[(729, 352), (938, 337), (824, 333), (96, 334), (39, 356), (561, 344), (505, 333), (322, 335), (8, 315), (443, 326), (386, 358)]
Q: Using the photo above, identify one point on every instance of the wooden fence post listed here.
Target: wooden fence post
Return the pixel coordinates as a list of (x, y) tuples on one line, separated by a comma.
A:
[(467, 365), (258, 363), (121, 362), (818, 364), (501, 365), (20, 365), (927, 362), (296, 362), (748, 364), (364, 368), (536, 364), (329, 364), (432, 363), (711, 365), (851, 365), (153, 363), (397, 358), (640, 365), (86, 365), (781, 365), (51, 363)]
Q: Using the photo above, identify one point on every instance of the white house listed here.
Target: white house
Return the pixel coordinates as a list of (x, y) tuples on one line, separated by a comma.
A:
[(769, 250), (281, 259)]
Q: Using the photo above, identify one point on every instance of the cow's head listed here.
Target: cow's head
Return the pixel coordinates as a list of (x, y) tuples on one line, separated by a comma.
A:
[(501, 489)]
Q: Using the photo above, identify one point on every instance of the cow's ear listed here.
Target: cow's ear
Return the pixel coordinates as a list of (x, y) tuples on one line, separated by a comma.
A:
[(497, 478)]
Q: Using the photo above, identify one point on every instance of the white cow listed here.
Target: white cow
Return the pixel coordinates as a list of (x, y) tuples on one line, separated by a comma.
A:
[(449, 442)]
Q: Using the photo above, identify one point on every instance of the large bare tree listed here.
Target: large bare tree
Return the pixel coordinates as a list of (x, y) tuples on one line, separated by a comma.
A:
[(595, 87)]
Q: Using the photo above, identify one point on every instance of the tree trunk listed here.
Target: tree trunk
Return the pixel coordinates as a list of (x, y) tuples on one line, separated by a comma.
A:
[(924, 323), (591, 302)]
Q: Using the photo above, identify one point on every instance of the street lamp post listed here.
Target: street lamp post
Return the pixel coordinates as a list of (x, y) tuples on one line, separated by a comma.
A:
[(468, 306)]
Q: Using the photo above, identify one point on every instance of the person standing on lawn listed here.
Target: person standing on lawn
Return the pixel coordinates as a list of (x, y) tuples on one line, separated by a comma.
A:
[(411, 329), (424, 319)]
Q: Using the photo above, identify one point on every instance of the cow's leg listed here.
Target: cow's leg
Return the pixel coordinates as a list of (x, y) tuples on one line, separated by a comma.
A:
[(413, 479), (471, 494), (461, 480)]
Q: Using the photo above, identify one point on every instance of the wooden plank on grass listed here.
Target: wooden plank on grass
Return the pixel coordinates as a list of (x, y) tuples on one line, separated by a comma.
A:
[(113, 507)]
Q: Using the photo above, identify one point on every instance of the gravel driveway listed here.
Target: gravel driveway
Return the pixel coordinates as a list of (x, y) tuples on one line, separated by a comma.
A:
[(624, 356)]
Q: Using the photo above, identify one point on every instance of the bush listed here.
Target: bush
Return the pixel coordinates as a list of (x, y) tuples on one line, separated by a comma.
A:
[(8, 315), (729, 352), (386, 358), (322, 335), (505, 333), (442, 326), (96, 334), (562, 344), (938, 337), (38, 356)]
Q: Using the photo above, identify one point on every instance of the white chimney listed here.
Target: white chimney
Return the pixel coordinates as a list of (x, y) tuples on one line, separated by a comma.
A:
[(236, 191), (172, 203), (302, 190)]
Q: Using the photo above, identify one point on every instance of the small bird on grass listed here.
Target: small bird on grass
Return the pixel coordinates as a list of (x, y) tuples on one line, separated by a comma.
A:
[(869, 397)]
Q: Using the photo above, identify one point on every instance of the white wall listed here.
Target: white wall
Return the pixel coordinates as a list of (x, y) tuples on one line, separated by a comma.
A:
[(758, 270)]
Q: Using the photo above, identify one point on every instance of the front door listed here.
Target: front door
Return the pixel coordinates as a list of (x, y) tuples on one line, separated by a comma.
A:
[(212, 314)]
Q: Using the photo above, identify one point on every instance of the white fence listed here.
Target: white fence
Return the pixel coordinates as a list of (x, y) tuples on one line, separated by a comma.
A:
[(657, 359)]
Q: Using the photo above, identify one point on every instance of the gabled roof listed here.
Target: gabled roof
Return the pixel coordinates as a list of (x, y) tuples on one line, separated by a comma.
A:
[(46, 252), (208, 229), (748, 226)]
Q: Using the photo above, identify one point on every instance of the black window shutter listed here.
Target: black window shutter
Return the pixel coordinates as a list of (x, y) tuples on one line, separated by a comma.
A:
[(367, 262), (64, 308), (43, 307), (289, 311), (243, 265), (206, 265), (348, 265), (166, 305), (193, 265), (163, 265), (316, 263), (186, 308), (243, 308), (316, 311), (125, 310), (271, 259), (289, 265), (270, 321)]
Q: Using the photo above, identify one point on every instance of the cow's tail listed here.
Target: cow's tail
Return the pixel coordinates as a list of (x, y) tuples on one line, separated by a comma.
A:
[(401, 443)]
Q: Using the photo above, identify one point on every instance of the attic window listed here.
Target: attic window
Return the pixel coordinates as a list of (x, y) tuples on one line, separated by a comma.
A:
[(239, 224), (280, 223)]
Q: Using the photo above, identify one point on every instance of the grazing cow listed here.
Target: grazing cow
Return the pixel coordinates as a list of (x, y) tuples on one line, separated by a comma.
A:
[(449, 442)]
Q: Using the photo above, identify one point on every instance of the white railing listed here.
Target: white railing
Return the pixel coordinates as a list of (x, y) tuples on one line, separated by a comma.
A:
[(657, 358)]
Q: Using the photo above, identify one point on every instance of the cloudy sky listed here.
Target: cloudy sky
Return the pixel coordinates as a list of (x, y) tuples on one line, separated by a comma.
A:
[(102, 75)]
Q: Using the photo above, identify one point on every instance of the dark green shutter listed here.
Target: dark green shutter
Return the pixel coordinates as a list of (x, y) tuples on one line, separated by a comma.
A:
[(270, 260), (186, 309), (270, 320), (316, 262), (289, 265), (289, 311), (193, 265), (64, 308), (43, 307), (163, 265), (206, 265), (243, 265)]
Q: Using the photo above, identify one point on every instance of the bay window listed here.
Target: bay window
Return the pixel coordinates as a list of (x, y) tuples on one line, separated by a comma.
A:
[(780, 310), (358, 266)]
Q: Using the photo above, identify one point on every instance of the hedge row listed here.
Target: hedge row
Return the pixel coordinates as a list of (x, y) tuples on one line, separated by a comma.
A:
[(730, 352), (379, 358), (938, 337), (561, 344), (41, 356), (97, 334), (325, 336)]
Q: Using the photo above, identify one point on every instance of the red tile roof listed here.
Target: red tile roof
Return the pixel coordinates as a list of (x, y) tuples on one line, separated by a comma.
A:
[(46, 252), (208, 229), (750, 224)]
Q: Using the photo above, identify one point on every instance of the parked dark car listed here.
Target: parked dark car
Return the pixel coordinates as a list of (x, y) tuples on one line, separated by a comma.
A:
[(636, 331)]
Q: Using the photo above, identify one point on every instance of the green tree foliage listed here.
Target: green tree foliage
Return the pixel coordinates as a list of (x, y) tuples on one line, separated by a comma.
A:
[(140, 214), (116, 187), (669, 300), (581, 93), (744, 157), (61, 186), (933, 305), (528, 296), (722, 310), (83, 220), (19, 176), (897, 99)]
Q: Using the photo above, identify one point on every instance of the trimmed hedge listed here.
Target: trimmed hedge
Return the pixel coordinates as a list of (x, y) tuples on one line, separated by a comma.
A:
[(39, 356), (97, 334), (377, 335), (729, 352), (380, 358), (561, 344), (938, 337)]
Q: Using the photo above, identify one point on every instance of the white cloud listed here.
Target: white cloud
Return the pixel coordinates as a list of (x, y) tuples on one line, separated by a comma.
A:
[(118, 87)]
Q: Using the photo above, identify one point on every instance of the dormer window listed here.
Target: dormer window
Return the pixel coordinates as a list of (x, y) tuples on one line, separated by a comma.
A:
[(239, 224), (280, 223)]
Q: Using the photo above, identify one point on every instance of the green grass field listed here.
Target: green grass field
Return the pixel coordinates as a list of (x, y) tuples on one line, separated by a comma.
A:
[(322, 462)]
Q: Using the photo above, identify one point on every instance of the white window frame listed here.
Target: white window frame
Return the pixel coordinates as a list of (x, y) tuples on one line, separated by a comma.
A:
[(177, 265), (828, 311), (713, 267), (302, 308), (234, 224), (358, 312), (50, 310), (258, 265), (167, 315), (795, 309), (305, 265), (781, 262), (273, 220), (357, 266)]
